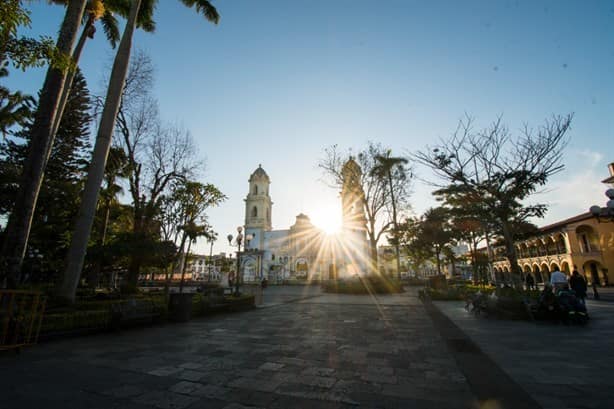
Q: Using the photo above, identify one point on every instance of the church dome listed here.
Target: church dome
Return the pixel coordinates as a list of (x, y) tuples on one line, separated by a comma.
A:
[(259, 174)]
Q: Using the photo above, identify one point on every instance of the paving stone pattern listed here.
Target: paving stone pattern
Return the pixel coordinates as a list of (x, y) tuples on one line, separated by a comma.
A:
[(321, 352), (305, 349), (560, 366)]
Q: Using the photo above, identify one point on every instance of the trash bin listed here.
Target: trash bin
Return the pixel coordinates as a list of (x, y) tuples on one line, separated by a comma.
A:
[(180, 307)]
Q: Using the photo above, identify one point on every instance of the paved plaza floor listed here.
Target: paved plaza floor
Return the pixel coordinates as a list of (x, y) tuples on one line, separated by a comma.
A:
[(304, 349)]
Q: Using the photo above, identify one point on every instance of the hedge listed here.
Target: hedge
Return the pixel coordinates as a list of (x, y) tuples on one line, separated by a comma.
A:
[(363, 285)]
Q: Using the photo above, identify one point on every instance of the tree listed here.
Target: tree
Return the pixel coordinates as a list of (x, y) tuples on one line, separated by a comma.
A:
[(15, 107), (435, 232), (20, 221), (116, 169), (103, 11), (392, 169), (418, 252), (376, 199), (22, 52), (498, 171), (185, 209), (104, 137), (63, 178)]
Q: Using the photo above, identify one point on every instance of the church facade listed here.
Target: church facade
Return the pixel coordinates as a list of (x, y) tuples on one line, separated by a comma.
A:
[(304, 252)]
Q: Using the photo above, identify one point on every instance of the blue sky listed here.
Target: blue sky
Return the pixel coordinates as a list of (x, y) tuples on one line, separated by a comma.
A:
[(277, 81)]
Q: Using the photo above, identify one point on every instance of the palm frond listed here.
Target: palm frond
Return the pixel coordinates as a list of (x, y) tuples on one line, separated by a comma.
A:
[(205, 8), (110, 27)]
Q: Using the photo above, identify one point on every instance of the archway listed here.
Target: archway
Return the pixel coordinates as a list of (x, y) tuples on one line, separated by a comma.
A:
[(545, 271), (594, 271), (537, 274)]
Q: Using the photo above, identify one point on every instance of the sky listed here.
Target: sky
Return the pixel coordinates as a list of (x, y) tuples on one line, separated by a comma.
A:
[(277, 81)]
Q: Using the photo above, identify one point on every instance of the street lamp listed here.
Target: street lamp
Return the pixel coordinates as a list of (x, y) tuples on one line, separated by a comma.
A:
[(211, 240), (238, 241), (605, 214)]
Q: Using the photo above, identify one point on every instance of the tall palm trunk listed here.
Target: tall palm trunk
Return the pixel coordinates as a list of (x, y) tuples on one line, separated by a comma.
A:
[(185, 265), (83, 227), (87, 32), (396, 225), (41, 142)]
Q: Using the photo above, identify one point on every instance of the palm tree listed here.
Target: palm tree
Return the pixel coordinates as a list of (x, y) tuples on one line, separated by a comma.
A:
[(386, 166), (20, 221), (116, 168), (85, 219), (54, 96), (103, 11), (191, 231)]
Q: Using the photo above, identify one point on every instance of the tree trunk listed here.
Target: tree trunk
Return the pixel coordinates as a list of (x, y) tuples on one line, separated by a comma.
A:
[(78, 246), (374, 260), (437, 252), (396, 227), (88, 31), (510, 251), (97, 268), (185, 265), (41, 142)]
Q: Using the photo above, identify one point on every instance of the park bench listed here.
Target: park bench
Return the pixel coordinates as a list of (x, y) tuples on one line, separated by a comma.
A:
[(133, 312)]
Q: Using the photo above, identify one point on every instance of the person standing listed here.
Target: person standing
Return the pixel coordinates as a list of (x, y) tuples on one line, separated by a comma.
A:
[(578, 284), (558, 280), (529, 281), (594, 284)]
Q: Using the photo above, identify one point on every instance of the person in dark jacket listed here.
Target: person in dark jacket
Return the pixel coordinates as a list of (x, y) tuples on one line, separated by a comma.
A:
[(578, 284), (530, 282), (595, 283)]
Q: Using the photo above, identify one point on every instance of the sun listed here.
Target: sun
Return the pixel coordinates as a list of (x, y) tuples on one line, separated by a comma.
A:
[(328, 218)]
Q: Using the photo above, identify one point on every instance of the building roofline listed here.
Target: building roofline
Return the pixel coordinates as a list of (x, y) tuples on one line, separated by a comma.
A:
[(564, 222)]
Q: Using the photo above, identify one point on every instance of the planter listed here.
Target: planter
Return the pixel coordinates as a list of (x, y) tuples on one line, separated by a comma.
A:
[(180, 307)]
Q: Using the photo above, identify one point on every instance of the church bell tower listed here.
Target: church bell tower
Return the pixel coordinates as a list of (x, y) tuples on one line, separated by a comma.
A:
[(354, 226), (258, 206), (352, 198)]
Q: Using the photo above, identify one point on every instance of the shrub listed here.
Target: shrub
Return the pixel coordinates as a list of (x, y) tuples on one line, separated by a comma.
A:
[(75, 320), (364, 285)]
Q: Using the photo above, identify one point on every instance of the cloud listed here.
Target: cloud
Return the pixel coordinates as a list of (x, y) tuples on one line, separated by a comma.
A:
[(576, 189)]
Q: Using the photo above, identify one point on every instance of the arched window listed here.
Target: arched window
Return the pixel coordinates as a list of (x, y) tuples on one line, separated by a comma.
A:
[(268, 215), (254, 211), (255, 189)]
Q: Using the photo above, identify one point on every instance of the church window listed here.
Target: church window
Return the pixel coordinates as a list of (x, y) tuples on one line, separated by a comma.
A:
[(254, 211), (255, 189)]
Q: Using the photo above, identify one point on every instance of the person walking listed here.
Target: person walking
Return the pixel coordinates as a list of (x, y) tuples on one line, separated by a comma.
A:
[(578, 284)]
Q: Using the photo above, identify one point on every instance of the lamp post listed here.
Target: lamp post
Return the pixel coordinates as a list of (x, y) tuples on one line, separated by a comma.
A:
[(605, 214), (211, 240), (238, 241)]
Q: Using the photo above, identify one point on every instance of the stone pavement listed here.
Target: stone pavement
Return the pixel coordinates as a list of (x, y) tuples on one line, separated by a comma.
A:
[(302, 349), (560, 366)]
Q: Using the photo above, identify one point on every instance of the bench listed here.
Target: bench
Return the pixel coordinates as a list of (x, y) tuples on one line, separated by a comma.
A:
[(133, 311)]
